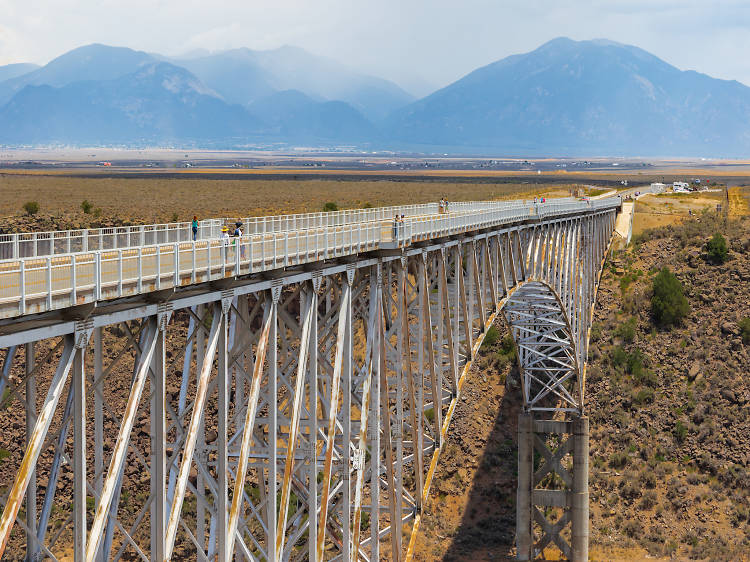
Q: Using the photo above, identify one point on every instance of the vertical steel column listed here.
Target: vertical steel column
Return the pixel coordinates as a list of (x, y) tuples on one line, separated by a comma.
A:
[(523, 494), (32, 548), (346, 461), (79, 448), (580, 504), (376, 296), (312, 383), (98, 411), (223, 381), (271, 397), (158, 441)]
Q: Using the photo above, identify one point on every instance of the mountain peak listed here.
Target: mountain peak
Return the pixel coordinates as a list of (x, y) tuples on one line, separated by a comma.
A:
[(592, 97)]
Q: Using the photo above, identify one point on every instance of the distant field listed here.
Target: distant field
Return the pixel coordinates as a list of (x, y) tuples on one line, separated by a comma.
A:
[(652, 211), (159, 199)]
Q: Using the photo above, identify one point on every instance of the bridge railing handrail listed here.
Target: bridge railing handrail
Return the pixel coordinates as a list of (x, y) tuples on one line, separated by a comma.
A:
[(67, 280), (37, 244)]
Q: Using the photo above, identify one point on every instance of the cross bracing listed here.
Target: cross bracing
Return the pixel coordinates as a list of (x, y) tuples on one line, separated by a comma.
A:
[(280, 406)]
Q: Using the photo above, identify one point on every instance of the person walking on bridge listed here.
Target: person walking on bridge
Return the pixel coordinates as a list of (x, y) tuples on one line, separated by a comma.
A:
[(194, 225)]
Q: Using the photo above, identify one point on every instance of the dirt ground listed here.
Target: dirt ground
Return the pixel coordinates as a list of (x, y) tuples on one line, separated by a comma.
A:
[(145, 199), (652, 211)]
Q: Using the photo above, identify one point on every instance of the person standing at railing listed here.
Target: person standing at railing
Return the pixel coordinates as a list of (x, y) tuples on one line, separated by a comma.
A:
[(238, 235), (445, 205), (401, 226), (395, 227), (194, 225), (225, 242), (441, 206)]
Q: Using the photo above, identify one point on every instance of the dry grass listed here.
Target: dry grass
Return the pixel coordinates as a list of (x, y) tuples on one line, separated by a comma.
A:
[(652, 211), (158, 199)]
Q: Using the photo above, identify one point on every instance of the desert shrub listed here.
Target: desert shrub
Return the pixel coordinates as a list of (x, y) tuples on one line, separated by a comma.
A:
[(618, 460), (490, 338), (632, 528), (680, 432), (668, 303), (716, 249), (430, 415), (619, 357), (98, 212), (31, 207), (649, 500), (367, 205), (630, 489), (508, 347), (86, 206), (626, 330), (745, 330), (330, 206), (643, 396), (596, 331)]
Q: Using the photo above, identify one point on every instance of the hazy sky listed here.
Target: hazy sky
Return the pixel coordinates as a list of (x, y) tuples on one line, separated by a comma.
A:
[(418, 43)]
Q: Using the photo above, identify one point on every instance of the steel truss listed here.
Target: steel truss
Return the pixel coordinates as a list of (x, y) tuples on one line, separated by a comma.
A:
[(299, 415)]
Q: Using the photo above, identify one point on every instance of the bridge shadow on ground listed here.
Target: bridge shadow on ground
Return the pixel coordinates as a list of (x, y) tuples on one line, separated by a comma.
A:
[(471, 513)]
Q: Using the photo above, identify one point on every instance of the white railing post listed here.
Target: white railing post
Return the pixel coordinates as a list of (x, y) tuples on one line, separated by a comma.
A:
[(49, 283), (177, 263), (192, 273), (97, 276), (119, 273), (73, 293), (140, 269), (158, 267), (22, 285)]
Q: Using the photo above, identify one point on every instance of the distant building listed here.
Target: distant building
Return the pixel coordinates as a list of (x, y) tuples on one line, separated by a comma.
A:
[(658, 188), (681, 187)]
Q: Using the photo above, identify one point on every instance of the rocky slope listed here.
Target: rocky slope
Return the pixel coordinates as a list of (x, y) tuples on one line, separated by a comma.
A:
[(670, 418)]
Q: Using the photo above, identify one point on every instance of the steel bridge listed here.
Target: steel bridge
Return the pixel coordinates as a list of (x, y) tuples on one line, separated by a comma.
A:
[(285, 395)]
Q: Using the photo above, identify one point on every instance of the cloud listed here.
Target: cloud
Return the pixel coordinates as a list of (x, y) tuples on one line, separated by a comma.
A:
[(434, 41)]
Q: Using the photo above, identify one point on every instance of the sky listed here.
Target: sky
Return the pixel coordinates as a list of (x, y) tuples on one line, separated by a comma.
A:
[(420, 44)]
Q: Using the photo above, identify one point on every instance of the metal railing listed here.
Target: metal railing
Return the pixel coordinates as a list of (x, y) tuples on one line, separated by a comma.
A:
[(51, 243), (31, 285)]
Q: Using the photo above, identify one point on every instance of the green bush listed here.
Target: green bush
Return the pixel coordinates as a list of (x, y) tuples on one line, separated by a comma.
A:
[(668, 303), (626, 330), (367, 205), (330, 206), (86, 206), (618, 460), (508, 347), (31, 207), (745, 330), (716, 249), (490, 338), (680, 432), (644, 396)]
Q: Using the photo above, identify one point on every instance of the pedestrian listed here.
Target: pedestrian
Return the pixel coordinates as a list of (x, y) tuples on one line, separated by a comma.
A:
[(225, 241), (445, 204), (441, 205), (195, 228), (395, 226), (238, 235)]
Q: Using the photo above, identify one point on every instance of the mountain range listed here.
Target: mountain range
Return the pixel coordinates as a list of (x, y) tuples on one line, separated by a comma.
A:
[(564, 98)]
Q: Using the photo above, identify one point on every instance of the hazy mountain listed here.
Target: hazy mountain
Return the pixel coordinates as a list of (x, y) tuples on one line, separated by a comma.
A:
[(296, 117), (244, 76), (158, 103), (13, 70), (593, 97), (92, 62)]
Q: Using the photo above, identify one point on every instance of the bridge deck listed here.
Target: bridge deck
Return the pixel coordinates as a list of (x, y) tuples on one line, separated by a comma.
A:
[(40, 284)]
